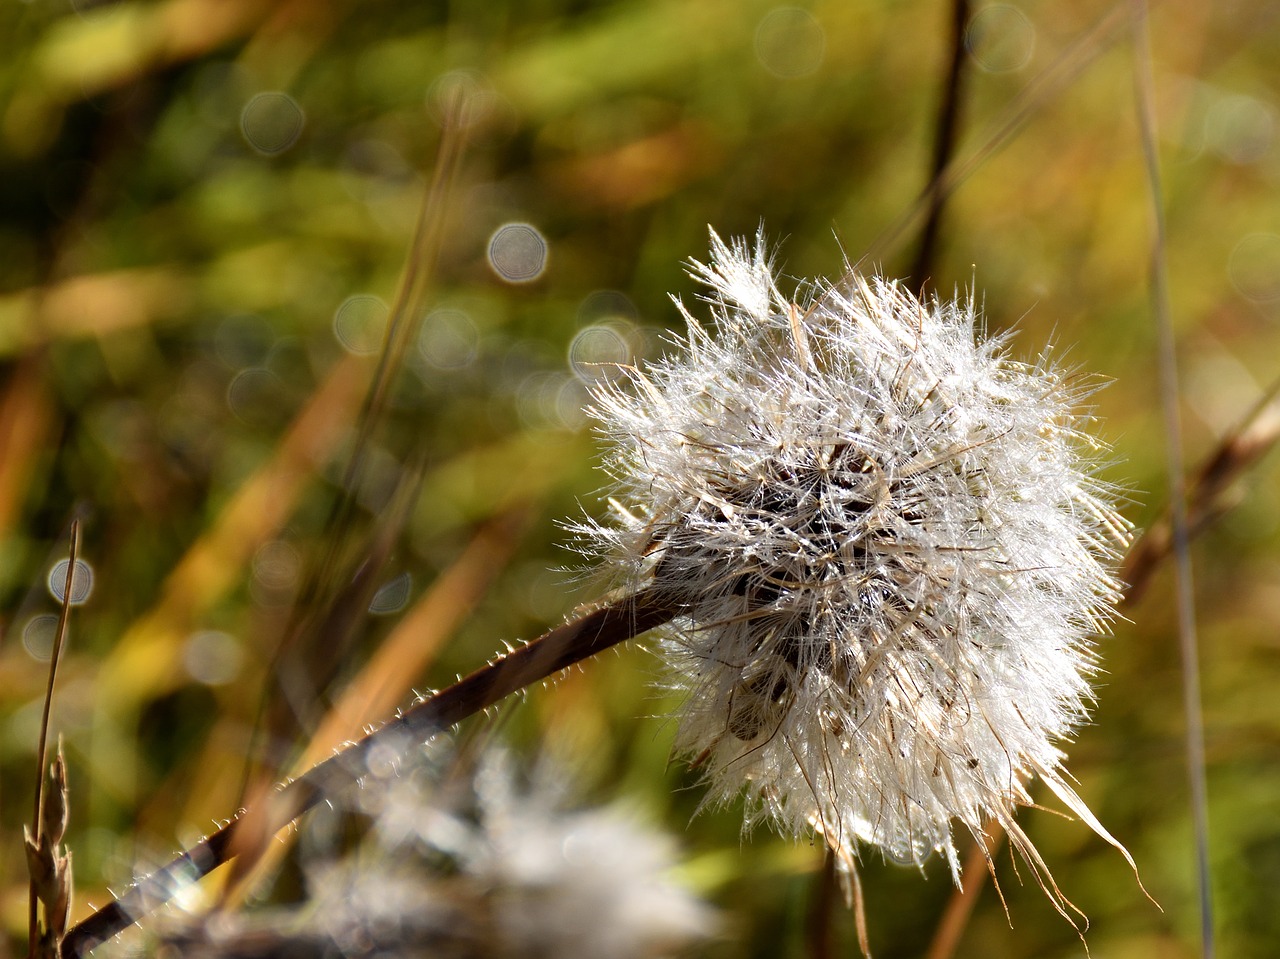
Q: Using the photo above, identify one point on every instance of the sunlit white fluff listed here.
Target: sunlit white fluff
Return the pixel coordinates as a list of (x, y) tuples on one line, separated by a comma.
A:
[(889, 548)]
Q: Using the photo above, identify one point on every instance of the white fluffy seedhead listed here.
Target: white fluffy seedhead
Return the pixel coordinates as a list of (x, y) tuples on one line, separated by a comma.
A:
[(467, 860), (889, 549)]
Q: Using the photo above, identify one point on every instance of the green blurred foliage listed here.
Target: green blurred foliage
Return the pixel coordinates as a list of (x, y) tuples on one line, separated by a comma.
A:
[(192, 190)]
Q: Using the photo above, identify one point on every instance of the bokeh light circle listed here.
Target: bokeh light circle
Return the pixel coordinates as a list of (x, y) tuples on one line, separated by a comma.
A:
[(212, 657), (272, 122), (1254, 267), (449, 340), (392, 596), (255, 396), (518, 252), (600, 305), (463, 97), (277, 565), (360, 323), (1000, 38), (38, 636), (1241, 128), (596, 353), (790, 42), (81, 581)]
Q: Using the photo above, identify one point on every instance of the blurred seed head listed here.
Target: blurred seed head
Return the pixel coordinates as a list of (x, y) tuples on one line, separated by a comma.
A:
[(890, 548), (472, 863), (570, 882)]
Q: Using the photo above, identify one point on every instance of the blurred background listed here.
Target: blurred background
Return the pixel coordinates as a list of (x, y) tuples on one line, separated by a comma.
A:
[(206, 208)]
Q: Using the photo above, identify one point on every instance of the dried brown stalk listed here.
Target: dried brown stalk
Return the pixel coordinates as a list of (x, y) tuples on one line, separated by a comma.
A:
[(48, 865), (1209, 491)]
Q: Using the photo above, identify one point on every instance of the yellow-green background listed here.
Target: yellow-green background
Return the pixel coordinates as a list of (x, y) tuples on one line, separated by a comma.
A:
[(149, 257)]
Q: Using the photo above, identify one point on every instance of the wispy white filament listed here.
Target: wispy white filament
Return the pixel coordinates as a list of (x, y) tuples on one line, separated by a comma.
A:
[(890, 550)]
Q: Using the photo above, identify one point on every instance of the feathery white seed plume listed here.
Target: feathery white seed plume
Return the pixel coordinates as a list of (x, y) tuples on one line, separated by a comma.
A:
[(890, 551)]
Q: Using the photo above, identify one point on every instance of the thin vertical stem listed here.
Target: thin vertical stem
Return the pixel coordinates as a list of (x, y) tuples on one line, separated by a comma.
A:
[(1034, 96), (818, 924), (1187, 642), (944, 142), (64, 616), (320, 605)]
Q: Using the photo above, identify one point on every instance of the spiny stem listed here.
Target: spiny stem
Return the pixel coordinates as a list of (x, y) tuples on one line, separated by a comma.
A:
[(543, 657)]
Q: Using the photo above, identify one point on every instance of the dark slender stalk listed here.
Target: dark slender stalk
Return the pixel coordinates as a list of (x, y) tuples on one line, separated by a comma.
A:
[(944, 142), (819, 928), (55, 654), (1040, 91), (545, 656)]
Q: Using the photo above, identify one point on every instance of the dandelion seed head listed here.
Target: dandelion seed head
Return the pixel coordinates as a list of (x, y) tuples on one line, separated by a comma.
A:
[(889, 548)]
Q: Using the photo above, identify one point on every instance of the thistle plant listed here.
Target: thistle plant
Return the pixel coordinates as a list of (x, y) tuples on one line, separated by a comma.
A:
[(879, 555), (889, 551), (877, 587)]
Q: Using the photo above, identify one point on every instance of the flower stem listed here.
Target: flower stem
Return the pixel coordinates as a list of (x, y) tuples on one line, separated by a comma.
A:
[(55, 655), (944, 142), (542, 658)]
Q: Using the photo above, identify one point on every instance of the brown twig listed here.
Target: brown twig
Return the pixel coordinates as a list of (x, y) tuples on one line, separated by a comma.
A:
[(1207, 493), (544, 657), (977, 866)]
